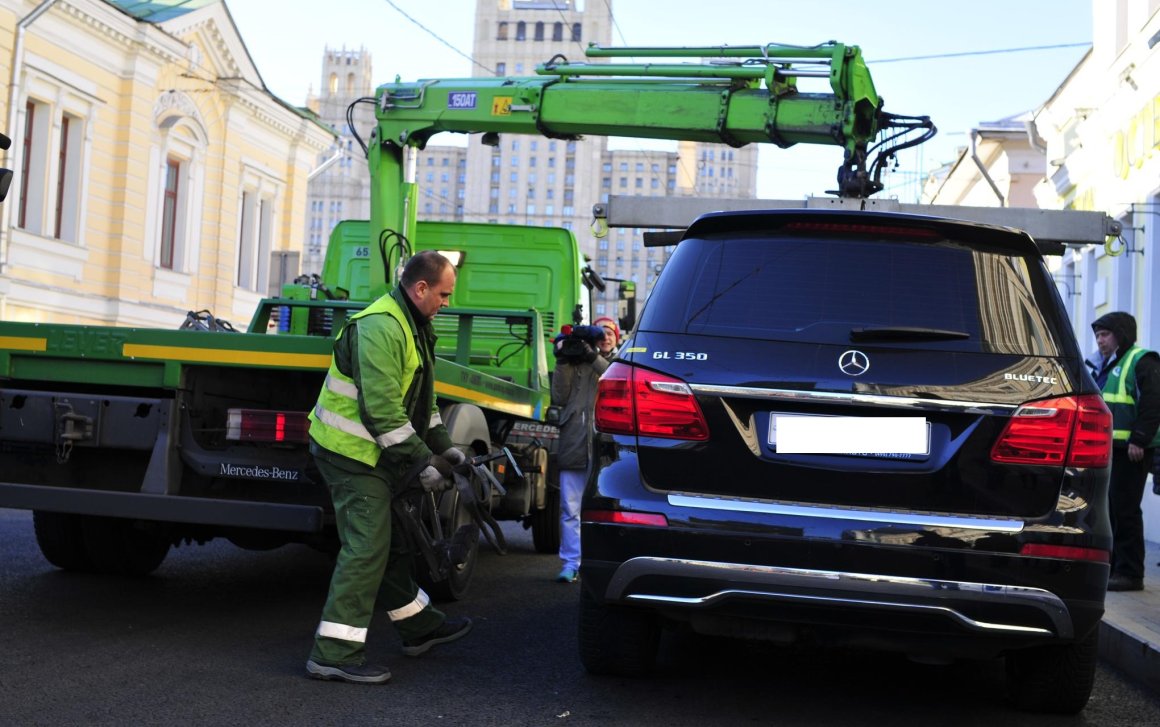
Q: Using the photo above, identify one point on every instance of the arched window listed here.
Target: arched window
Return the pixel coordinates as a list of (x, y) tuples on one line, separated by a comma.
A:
[(350, 84), (521, 30), (501, 31), (332, 84), (576, 32), (557, 31), (176, 180), (539, 31)]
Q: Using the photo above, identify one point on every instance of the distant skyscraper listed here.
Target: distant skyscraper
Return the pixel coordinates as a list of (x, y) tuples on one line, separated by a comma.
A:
[(342, 189)]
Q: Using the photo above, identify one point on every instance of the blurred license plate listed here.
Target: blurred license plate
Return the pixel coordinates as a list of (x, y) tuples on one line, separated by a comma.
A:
[(866, 436)]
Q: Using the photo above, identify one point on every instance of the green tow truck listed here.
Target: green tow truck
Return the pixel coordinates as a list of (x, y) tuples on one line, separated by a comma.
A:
[(125, 442)]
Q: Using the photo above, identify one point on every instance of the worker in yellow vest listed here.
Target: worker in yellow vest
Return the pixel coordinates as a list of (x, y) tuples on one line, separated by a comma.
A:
[(376, 421), (1129, 377)]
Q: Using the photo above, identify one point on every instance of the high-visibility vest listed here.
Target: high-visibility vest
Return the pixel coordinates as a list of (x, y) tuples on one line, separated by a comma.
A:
[(335, 423), (1120, 395)]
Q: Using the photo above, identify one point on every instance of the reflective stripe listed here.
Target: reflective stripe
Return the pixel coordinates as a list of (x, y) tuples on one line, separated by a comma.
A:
[(411, 608), (436, 420), (398, 436), (342, 388), (341, 423), (1121, 435), (331, 630)]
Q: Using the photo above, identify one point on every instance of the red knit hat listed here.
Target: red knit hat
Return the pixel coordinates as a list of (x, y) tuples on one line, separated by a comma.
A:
[(609, 324)]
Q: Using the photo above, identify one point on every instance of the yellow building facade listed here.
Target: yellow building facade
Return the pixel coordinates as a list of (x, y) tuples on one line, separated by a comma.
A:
[(154, 172)]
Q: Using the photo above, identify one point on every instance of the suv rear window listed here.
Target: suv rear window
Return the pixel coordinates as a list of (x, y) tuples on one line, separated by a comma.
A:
[(818, 289)]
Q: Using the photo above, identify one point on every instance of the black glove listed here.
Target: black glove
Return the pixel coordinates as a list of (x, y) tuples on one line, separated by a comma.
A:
[(589, 353)]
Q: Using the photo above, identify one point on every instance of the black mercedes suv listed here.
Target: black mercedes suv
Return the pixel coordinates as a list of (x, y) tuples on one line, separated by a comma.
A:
[(855, 429)]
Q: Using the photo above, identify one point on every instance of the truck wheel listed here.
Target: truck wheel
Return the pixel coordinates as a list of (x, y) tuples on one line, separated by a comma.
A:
[(61, 541), (546, 523), (616, 640), (123, 547), (455, 586), (1055, 679)]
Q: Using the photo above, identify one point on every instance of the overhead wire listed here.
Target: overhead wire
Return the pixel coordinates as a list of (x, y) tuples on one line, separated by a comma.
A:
[(965, 54), (436, 36)]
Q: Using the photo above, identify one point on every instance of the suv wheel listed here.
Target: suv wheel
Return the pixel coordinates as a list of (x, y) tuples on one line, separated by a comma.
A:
[(616, 640), (1056, 679)]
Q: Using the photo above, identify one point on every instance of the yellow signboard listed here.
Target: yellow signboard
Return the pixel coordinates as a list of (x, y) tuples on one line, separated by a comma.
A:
[(501, 106)]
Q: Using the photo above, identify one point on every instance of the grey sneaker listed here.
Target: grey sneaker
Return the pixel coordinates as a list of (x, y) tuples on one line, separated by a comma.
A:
[(353, 673), (449, 630)]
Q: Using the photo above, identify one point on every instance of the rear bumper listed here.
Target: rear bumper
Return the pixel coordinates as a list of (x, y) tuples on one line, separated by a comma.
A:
[(644, 580), (164, 508), (921, 583)]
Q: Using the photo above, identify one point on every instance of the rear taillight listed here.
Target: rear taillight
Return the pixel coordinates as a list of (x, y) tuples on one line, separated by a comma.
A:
[(261, 425), (1065, 552), (1073, 430), (624, 517), (637, 401)]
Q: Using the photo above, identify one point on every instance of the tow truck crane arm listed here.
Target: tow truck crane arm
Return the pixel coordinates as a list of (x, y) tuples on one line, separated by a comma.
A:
[(735, 95)]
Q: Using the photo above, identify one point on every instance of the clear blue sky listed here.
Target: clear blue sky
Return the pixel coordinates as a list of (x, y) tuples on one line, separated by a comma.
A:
[(287, 40)]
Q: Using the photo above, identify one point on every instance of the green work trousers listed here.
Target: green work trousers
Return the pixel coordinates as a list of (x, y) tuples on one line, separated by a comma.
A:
[(375, 561)]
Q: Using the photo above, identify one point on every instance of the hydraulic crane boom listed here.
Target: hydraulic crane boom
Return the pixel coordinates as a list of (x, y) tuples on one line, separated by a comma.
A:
[(734, 95)]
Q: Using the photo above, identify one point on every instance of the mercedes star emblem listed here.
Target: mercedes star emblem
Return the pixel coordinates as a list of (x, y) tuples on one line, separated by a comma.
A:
[(854, 363)]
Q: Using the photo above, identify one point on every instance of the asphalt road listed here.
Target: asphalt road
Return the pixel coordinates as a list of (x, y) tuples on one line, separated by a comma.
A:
[(219, 636)]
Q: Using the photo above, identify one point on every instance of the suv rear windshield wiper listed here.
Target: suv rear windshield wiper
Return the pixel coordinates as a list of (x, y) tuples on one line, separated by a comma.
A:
[(906, 333)]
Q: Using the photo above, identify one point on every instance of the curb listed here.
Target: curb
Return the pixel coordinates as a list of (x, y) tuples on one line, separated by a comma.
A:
[(1129, 650)]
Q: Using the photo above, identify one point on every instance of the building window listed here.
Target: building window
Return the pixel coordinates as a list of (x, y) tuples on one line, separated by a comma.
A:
[(521, 30), (68, 189), (254, 239), (169, 212), (32, 139), (539, 31), (501, 31), (575, 32), (557, 31)]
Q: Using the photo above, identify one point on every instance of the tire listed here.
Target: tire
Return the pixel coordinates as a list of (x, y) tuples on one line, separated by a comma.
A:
[(61, 540), (123, 547), (616, 640), (1053, 679), (546, 523), (458, 581)]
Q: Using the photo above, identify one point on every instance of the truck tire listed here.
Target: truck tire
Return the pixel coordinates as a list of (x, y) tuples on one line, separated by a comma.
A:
[(123, 547), (616, 640), (546, 523), (1054, 679), (61, 540)]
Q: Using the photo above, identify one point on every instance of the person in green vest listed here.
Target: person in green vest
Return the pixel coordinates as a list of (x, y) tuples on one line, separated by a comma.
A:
[(1129, 377), (376, 423)]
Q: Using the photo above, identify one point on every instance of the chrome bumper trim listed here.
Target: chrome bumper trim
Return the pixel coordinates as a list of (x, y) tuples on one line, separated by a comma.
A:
[(838, 397), (771, 507), (862, 590)]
